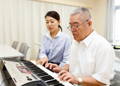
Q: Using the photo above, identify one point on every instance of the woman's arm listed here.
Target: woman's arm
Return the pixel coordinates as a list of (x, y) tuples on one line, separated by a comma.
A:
[(66, 54), (42, 58)]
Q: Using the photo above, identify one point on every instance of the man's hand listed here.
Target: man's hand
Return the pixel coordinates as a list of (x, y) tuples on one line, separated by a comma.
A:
[(42, 61), (53, 67), (88, 81), (66, 76)]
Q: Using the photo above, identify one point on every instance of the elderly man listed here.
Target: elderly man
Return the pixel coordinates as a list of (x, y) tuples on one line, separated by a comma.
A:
[(92, 56)]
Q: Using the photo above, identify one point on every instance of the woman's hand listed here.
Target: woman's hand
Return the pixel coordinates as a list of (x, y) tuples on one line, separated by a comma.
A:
[(42, 61), (54, 67)]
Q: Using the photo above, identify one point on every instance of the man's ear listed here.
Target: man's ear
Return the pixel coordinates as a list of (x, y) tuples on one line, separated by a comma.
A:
[(89, 22)]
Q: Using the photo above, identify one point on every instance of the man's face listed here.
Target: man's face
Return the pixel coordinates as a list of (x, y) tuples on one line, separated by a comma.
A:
[(79, 27)]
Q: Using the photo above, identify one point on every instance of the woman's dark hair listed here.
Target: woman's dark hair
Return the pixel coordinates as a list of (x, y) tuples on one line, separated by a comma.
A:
[(54, 15)]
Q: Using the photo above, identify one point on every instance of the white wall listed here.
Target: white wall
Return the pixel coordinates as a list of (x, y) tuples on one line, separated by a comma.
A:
[(68, 2), (23, 20), (99, 11)]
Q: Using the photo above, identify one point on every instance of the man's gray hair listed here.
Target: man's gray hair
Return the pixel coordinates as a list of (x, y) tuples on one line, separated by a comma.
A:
[(83, 10)]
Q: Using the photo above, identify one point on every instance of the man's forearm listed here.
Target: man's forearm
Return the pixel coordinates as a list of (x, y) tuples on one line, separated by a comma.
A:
[(90, 81)]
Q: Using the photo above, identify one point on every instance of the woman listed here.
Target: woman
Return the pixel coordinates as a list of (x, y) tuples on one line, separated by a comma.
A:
[(56, 45)]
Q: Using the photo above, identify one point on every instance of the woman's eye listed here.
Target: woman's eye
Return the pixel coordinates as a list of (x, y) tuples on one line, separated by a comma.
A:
[(47, 22), (52, 21)]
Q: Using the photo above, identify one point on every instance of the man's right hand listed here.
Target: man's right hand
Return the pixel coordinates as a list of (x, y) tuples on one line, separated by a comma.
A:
[(42, 61)]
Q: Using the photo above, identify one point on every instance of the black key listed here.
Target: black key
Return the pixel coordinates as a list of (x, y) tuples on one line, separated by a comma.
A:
[(52, 82), (48, 77), (59, 85), (37, 71), (34, 68), (31, 66), (41, 74), (50, 69), (36, 83)]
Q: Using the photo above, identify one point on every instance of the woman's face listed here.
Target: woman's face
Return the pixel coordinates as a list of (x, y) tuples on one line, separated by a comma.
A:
[(52, 24)]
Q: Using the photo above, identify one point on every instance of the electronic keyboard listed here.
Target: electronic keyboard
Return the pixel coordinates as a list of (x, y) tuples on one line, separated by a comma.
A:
[(27, 73)]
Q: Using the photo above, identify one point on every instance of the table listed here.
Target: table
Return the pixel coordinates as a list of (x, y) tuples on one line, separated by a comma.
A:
[(7, 52)]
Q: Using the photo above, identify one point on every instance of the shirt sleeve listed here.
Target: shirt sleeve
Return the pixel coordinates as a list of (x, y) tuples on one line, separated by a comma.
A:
[(42, 53), (104, 65), (66, 53)]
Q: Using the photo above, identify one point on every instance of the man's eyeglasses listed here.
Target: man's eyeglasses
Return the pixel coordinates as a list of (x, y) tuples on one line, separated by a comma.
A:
[(76, 25)]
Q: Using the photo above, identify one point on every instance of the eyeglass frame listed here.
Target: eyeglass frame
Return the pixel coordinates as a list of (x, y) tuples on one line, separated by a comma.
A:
[(77, 25)]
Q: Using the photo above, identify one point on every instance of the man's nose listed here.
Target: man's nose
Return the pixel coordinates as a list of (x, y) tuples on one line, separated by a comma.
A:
[(73, 29)]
